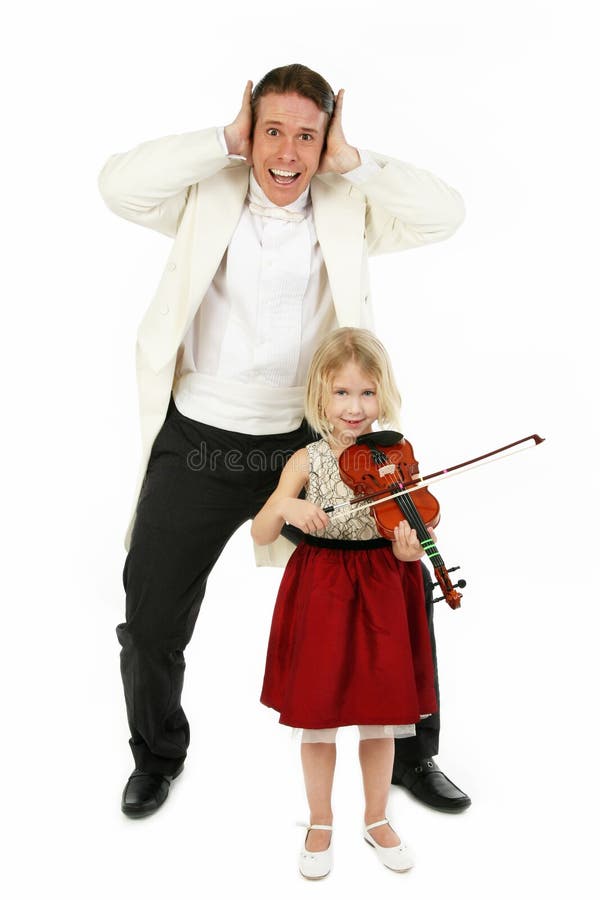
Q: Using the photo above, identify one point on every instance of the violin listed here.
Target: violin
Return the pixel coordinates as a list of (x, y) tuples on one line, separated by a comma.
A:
[(383, 463)]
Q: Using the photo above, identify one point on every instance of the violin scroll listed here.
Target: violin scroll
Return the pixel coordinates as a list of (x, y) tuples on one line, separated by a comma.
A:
[(449, 594)]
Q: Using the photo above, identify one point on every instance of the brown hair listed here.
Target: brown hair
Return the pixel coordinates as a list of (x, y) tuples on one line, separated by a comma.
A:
[(338, 348), (295, 79)]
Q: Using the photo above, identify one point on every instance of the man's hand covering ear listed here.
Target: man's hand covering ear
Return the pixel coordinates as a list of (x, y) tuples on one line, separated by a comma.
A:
[(238, 135), (338, 156)]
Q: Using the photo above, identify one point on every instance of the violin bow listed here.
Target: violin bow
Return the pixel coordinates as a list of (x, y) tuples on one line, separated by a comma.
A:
[(367, 500)]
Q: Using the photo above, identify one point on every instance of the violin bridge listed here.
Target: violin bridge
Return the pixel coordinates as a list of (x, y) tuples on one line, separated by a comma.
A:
[(387, 470)]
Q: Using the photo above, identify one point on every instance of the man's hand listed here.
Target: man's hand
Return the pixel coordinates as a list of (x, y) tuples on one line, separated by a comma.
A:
[(238, 135), (338, 156)]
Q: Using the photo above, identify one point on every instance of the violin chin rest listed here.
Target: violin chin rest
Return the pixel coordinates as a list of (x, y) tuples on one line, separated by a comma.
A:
[(380, 438)]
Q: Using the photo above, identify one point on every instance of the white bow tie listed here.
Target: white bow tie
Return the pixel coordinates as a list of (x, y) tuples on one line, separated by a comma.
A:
[(276, 212)]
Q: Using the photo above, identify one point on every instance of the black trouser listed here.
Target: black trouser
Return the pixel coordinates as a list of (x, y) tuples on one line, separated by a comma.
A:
[(427, 738), (202, 483)]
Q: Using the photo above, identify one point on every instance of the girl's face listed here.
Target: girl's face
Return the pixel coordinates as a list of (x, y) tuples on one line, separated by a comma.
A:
[(352, 406)]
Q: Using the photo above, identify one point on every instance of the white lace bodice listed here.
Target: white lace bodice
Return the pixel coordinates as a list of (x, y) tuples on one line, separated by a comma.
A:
[(325, 487)]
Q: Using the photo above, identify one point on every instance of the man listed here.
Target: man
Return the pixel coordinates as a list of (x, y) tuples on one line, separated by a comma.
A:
[(272, 217)]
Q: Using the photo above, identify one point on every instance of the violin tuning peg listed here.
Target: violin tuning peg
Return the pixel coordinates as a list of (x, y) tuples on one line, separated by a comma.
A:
[(461, 583)]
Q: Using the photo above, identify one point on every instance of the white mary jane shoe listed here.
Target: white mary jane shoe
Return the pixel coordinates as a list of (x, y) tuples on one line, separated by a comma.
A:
[(315, 864), (398, 858)]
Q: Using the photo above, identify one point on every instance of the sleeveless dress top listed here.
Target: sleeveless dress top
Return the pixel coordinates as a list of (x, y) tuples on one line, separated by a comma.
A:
[(325, 487), (349, 641)]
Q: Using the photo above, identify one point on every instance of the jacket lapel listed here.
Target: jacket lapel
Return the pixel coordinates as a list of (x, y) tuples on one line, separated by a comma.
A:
[(339, 222), (217, 215), (210, 219)]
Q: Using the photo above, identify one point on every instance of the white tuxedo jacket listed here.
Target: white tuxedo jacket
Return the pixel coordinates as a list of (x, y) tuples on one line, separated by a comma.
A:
[(185, 187)]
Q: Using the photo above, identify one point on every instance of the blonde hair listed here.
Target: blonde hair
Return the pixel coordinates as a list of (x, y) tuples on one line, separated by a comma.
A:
[(342, 346)]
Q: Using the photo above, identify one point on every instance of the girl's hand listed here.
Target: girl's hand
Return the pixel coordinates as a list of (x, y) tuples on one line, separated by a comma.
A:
[(304, 515), (406, 545)]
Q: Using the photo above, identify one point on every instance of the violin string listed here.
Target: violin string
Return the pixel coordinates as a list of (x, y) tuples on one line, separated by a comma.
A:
[(414, 518), (411, 514)]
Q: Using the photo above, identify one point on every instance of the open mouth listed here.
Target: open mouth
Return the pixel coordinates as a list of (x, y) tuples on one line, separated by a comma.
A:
[(282, 176), (353, 422)]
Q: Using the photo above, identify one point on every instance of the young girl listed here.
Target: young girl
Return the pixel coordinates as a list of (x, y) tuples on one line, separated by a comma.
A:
[(349, 643)]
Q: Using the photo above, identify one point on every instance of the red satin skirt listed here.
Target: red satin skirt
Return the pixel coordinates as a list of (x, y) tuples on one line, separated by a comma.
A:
[(349, 642)]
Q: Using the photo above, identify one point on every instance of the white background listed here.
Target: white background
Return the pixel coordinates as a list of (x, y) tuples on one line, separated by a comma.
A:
[(493, 337)]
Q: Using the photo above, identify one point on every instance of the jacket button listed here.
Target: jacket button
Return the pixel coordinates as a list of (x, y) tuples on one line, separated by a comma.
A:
[(171, 267), (164, 309)]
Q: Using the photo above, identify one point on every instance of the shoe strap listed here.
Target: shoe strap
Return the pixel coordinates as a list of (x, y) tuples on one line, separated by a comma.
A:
[(319, 827), (375, 824)]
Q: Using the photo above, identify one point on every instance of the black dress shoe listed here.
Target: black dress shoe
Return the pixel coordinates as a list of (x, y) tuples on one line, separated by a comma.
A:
[(425, 781), (145, 792)]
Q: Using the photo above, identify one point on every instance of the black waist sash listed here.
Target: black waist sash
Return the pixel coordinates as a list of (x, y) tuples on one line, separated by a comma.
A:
[(335, 544)]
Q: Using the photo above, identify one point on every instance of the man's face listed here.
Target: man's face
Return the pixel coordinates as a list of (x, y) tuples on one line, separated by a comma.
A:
[(288, 138)]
